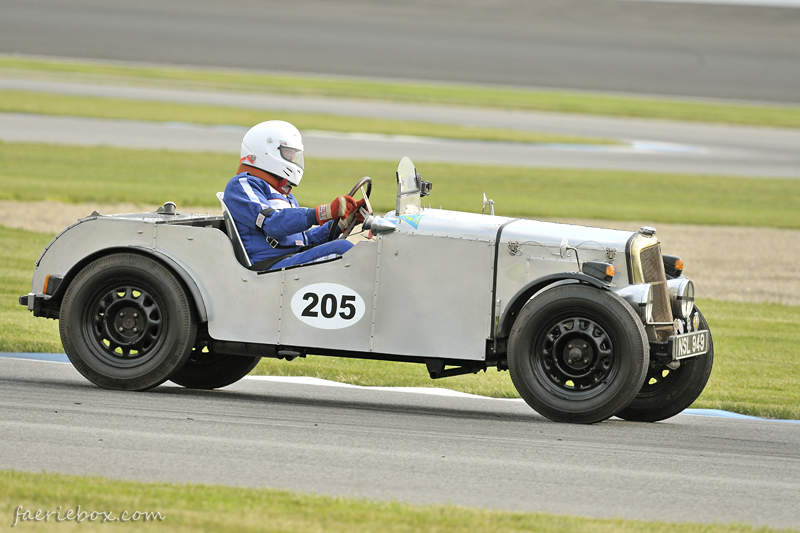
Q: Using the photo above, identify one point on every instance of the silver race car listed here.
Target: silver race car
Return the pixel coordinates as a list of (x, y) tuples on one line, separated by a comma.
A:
[(590, 322)]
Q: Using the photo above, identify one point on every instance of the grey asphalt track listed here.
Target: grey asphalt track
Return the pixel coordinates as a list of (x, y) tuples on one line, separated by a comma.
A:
[(408, 447), (650, 145), (714, 51)]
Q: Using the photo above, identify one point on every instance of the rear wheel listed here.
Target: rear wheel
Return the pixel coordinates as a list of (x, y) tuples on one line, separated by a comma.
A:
[(666, 392), (577, 354), (207, 369), (126, 322)]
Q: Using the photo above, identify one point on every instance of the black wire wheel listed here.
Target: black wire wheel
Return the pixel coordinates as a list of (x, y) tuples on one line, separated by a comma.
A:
[(126, 322), (207, 369), (577, 354), (667, 392)]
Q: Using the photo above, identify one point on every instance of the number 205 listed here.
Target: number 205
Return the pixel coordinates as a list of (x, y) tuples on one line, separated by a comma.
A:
[(329, 306)]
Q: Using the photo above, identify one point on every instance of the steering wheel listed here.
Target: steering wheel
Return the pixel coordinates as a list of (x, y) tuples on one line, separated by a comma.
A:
[(367, 207)]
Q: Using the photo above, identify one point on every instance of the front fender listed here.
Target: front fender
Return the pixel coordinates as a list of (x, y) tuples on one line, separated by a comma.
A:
[(522, 296)]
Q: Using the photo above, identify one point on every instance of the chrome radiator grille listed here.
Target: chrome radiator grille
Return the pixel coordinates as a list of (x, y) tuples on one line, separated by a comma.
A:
[(653, 273)]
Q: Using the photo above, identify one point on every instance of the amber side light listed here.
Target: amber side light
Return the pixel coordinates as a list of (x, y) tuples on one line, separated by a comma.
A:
[(46, 283), (599, 270), (673, 266)]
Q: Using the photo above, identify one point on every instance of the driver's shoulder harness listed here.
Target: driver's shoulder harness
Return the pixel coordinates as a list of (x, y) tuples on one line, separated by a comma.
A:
[(273, 242)]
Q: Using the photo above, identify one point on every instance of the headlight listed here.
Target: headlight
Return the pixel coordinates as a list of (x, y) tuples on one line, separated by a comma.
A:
[(681, 296), (640, 297)]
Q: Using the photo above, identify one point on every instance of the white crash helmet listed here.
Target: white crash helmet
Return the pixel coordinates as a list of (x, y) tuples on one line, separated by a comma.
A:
[(276, 147)]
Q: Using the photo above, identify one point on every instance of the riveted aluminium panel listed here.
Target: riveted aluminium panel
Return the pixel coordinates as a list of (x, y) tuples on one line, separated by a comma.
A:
[(434, 296), (329, 305), (530, 249), (241, 305)]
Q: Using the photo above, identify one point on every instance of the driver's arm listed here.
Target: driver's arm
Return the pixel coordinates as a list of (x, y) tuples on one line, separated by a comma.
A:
[(278, 222), (275, 220), (282, 222)]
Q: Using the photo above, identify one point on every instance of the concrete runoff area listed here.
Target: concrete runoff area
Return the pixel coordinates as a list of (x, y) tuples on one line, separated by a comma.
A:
[(715, 157)]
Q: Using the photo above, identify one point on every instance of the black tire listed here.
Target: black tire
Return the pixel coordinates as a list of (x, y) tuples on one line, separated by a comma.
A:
[(665, 392), (577, 354), (206, 369), (126, 322)]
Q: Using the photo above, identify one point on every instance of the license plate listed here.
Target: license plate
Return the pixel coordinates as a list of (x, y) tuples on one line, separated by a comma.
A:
[(689, 344)]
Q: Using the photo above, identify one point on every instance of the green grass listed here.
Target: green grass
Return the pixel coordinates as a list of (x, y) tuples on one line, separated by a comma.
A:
[(757, 359), (19, 331), (756, 371), (114, 108), (439, 93), (31, 172), (195, 507)]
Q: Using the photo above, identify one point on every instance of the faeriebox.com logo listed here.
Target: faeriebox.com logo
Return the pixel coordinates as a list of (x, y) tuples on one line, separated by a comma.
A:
[(79, 515)]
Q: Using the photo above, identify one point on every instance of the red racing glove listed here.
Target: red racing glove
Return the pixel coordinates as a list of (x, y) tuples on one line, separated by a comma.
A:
[(338, 209), (355, 214)]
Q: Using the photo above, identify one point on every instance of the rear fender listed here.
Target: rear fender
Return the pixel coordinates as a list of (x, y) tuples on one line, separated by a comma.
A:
[(53, 303)]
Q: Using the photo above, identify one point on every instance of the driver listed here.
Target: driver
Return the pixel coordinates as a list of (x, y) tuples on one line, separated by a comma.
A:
[(275, 230)]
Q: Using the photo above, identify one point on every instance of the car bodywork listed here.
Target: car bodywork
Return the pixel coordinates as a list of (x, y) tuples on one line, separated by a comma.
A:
[(430, 286)]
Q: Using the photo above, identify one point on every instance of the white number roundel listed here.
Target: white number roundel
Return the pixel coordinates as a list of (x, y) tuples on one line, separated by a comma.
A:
[(328, 306)]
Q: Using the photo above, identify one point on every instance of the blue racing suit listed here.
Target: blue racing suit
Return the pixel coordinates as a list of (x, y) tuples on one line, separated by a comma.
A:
[(273, 225)]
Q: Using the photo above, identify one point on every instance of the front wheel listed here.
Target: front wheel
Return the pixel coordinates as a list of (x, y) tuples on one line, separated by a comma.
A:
[(207, 369), (666, 392), (577, 354), (126, 322)]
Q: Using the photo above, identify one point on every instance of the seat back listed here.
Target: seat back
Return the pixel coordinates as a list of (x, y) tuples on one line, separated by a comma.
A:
[(233, 234)]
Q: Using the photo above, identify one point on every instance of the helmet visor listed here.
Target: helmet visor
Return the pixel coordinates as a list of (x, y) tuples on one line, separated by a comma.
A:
[(293, 155)]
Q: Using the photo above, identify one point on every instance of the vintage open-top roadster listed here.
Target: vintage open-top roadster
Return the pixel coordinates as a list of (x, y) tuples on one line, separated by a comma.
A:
[(590, 322)]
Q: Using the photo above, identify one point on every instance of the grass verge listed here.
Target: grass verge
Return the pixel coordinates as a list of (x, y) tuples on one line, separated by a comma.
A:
[(20, 331), (30, 172), (114, 108), (195, 507), (756, 371), (438, 93)]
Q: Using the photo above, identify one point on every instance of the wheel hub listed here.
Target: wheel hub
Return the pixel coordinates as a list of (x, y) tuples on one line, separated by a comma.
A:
[(127, 325), (577, 355), (129, 322)]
